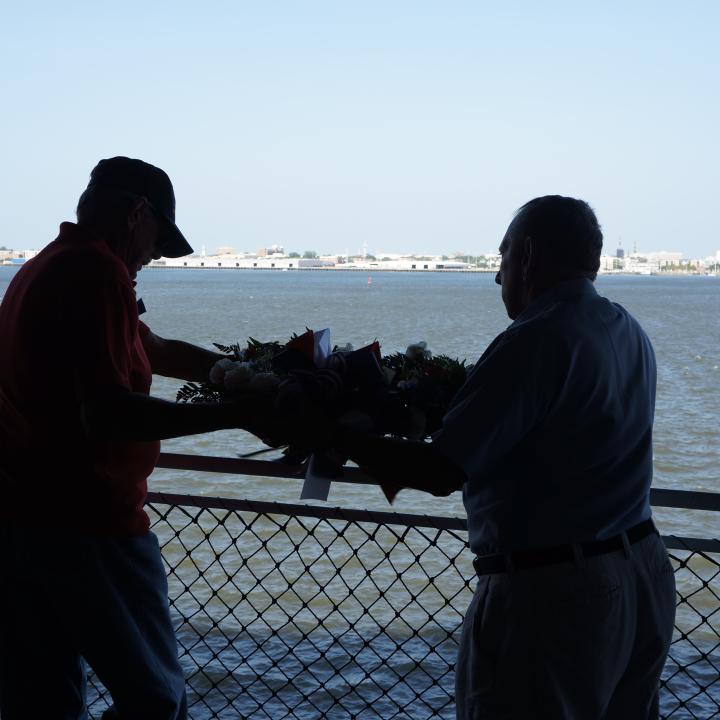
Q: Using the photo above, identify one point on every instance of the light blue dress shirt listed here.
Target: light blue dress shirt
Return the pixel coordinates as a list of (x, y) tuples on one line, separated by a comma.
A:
[(553, 427)]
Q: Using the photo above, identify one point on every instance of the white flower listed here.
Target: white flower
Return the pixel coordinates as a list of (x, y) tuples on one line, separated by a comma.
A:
[(418, 350), (264, 382), (239, 376), (218, 370)]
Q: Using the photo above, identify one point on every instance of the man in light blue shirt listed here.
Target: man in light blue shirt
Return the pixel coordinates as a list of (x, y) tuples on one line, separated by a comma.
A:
[(551, 440), (553, 428)]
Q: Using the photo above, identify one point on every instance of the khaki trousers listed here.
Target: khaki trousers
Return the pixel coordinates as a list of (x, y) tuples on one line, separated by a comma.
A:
[(574, 641)]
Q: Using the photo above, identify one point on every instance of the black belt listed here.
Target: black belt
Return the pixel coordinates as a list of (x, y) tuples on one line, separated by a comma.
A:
[(489, 564)]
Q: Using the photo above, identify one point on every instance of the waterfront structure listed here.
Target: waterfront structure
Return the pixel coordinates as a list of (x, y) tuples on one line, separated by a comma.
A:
[(16, 257), (272, 262), (274, 258)]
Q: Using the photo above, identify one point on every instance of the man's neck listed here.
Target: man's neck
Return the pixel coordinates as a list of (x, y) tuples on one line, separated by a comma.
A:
[(542, 284)]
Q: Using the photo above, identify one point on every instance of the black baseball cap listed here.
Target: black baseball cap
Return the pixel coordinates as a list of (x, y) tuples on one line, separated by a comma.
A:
[(141, 178)]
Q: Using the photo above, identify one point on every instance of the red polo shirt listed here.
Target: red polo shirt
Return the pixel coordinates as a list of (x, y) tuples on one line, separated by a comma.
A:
[(68, 326)]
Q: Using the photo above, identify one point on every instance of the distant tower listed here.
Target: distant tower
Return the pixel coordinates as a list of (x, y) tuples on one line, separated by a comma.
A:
[(620, 252), (202, 251), (364, 251)]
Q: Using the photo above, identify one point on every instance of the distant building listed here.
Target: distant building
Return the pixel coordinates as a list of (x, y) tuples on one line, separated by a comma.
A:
[(272, 250), (17, 257), (611, 263), (665, 257), (620, 253), (314, 262)]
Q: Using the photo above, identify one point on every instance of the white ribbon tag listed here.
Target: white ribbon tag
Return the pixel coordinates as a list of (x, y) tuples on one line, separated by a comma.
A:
[(317, 484), (322, 346)]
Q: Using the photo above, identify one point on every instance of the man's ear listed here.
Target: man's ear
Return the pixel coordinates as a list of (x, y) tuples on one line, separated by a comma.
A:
[(137, 212), (528, 259)]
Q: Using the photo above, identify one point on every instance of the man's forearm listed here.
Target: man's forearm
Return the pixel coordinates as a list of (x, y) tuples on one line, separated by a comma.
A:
[(405, 463), (184, 361), (134, 416)]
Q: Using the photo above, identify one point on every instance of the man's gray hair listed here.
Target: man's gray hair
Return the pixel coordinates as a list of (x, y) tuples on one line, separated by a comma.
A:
[(566, 230)]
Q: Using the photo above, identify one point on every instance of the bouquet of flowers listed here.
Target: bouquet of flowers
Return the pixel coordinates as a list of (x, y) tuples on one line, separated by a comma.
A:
[(402, 394), (392, 390)]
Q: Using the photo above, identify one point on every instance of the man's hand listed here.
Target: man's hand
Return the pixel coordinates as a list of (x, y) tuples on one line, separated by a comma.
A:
[(305, 415), (256, 413), (288, 417), (399, 464)]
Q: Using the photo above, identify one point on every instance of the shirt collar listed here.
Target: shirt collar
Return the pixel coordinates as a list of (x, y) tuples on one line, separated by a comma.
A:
[(78, 233), (566, 290), (73, 233)]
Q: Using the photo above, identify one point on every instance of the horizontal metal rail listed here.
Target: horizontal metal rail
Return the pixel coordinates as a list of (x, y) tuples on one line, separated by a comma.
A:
[(247, 466), (683, 499)]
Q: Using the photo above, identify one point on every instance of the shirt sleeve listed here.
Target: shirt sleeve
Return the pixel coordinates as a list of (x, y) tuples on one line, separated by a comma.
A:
[(507, 395), (143, 330), (103, 324)]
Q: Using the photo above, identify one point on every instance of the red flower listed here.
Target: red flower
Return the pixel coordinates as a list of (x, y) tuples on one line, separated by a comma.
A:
[(304, 344), (374, 348)]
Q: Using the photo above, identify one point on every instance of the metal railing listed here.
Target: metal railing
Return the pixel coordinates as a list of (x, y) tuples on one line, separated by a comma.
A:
[(297, 611)]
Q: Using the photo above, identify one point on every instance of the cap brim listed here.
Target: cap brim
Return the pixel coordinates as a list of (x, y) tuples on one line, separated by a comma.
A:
[(176, 245)]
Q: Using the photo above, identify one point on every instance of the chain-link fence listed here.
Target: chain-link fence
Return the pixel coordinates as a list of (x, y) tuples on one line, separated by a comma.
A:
[(291, 611), (691, 680)]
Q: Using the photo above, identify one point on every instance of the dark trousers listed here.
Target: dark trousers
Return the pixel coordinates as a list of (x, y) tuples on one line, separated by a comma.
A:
[(65, 597)]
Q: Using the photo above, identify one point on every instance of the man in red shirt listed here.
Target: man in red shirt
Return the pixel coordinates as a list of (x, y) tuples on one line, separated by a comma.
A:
[(80, 574)]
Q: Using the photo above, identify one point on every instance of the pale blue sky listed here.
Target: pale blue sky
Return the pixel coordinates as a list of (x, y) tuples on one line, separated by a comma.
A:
[(411, 126)]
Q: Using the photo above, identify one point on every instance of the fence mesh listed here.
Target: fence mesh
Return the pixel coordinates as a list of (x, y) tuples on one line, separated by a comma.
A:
[(298, 612), (691, 680)]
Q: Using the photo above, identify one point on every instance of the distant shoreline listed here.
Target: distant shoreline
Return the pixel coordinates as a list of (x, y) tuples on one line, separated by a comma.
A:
[(323, 269), (368, 270)]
